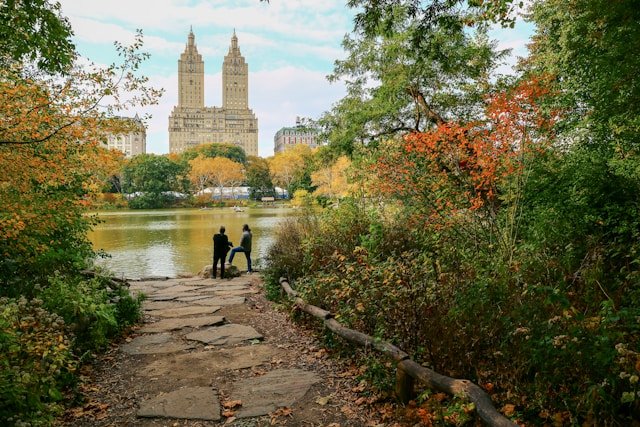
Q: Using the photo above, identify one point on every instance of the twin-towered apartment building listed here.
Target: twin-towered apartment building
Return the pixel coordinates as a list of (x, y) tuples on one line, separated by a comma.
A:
[(191, 123)]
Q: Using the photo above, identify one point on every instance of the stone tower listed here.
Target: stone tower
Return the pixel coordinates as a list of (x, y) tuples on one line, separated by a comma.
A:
[(191, 123), (235, 78), (191, 76)]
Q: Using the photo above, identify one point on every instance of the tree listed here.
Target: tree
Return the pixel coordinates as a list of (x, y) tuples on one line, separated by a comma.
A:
[(231, 152), (291, 167), (591, 48), (156, 177), (107, 171), (331, 181), (226, 173), (403, 76), (35, 109), (259, 178), (50, 128), (201, 172)]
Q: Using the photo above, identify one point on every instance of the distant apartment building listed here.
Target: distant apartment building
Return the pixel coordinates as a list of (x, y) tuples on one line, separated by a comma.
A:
[(131, 141), (303, 133)]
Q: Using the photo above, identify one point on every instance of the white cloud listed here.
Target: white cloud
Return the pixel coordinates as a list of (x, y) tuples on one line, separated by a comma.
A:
[(97, 32), (292, 18)]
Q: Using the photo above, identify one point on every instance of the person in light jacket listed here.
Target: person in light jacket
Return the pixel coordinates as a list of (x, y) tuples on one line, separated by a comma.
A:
[(245, 246)]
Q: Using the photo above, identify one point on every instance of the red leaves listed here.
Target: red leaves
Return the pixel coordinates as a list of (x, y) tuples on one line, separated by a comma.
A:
[(459, 167)]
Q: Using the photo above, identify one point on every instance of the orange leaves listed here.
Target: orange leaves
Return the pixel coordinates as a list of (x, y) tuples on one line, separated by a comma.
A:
[(459, 167)]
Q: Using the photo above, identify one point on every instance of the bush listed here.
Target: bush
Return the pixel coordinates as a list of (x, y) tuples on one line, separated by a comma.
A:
[(552, 328), (94, 312), (151, 201), (38, 357), (36, 362)]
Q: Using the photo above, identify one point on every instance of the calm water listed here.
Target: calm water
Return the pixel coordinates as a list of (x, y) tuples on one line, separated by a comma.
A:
[(172, 242)]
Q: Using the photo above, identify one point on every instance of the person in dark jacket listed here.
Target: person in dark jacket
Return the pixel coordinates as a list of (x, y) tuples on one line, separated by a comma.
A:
[(221, 245), (245, 246)]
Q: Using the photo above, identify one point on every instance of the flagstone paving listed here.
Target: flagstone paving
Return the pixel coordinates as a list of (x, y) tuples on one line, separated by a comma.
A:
[(190, 345), (206, 356)]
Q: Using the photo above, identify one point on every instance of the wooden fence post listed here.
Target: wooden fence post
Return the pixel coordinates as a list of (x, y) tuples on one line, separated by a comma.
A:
[(404, 385)]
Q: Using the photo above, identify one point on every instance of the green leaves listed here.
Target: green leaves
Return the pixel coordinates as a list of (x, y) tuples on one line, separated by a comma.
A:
[(404, 77), (35, 31)]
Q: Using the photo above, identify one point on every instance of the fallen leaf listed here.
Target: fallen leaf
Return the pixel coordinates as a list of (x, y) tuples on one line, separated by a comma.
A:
[(230, 404), (439, 397), (508, 409), (228, 413), (348, 412), (360, 387), (323, 400)]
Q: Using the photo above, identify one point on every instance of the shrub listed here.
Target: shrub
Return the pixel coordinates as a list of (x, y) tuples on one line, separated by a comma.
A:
[(552, 328), (94, 312), (35, 362)]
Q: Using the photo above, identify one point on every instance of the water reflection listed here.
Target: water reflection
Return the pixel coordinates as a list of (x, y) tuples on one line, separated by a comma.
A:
[(172, 242)]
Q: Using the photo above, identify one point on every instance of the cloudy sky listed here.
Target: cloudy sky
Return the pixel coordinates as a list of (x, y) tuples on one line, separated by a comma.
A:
[(290, 46)]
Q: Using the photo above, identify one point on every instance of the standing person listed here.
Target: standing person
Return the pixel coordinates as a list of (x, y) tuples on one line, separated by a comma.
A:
[(221, 245), (245, 246)]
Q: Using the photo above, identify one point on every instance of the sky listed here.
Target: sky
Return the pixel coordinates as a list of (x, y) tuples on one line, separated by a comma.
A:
[(290, 46)]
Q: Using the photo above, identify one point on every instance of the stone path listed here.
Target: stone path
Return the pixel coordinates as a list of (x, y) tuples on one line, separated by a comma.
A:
[(190, 343)]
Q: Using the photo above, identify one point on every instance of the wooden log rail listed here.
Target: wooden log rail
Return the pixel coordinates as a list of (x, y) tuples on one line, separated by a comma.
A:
[(407, 370)]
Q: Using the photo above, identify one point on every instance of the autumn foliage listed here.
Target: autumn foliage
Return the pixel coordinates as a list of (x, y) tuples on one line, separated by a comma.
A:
[(50, 132), (461, 166), (488, 250)]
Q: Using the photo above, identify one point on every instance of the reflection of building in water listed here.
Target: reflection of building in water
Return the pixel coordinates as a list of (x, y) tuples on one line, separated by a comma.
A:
[(132, 140), (304, 132), (191, 123)]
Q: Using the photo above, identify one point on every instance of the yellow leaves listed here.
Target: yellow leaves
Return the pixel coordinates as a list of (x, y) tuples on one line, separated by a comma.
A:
[(216, 171), (322, 401), (508, 410), (289, 164), (331, 181), (280, 412)]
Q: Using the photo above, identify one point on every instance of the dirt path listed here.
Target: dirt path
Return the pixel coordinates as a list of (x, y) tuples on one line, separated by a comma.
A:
[(214, 352)]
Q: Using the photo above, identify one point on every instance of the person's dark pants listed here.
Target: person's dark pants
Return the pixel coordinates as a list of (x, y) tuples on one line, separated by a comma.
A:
[(214, 270), (247, 254)]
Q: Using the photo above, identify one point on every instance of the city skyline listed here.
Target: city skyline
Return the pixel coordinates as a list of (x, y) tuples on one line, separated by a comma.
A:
[(290, 47)]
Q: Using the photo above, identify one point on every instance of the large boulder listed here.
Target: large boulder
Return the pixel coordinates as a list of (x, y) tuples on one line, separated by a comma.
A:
[(229, 271)]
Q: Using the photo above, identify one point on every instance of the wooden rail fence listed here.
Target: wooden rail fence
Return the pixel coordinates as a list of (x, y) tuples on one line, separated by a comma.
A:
[(407, 371)]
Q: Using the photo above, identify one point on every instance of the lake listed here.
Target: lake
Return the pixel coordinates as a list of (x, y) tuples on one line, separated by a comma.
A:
[(178, 241)]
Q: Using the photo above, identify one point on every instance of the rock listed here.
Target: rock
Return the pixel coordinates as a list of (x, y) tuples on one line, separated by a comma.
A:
[(230, 271), (225, 334), (161, 305), (155, 344), (197, 365), (196, 403), (166, 325), (221, 301), (277, 389), (184, 311), (178, 289)]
